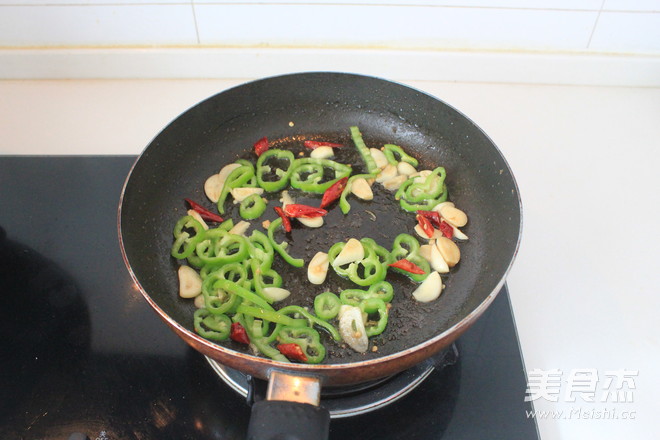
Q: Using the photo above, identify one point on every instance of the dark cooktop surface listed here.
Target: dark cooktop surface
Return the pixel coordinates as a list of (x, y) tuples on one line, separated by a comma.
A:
[(82, 354)]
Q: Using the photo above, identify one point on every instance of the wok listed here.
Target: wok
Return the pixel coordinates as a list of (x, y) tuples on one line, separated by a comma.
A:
[(319, 105)]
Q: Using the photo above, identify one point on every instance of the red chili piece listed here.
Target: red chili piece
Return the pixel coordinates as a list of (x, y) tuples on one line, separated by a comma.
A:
[(293, 352), (334, 192), (446, 229), (238, 334), (295, 210), (203, 212), (426, 225), (286, 223), (261, 145), (433, 216), (315, 144), (408, 266)]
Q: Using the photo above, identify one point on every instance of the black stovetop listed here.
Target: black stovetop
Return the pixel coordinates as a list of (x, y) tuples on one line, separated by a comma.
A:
[(82, 352)]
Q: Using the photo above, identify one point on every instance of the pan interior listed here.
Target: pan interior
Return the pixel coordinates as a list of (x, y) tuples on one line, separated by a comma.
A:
[(323, 106)]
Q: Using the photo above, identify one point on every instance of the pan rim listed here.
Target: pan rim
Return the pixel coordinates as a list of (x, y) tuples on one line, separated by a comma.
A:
[(269, 364)]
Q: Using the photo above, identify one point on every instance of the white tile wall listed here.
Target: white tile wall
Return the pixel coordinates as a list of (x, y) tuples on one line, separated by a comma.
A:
[(584, 26)]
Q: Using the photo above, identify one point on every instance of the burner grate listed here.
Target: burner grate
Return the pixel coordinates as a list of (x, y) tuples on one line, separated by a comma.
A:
[(347, 401)]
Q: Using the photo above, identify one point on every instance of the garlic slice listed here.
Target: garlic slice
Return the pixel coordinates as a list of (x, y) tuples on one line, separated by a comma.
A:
[(199, 301), (379, 157), (323, 152), (352, 251), (190, 282), (286, 199), (315, 222), (449, 251), (458, 234), (388, 172), (453, 216), (194, 214), (361, 188), (405, 168), (421, 175), (437, 262), (421, 233), (240, 194), (430, 289), (240, 228), (439, 206), (351, 328), (275, 293), (394, 183), (318, 268), (213, 185), (425, 251)]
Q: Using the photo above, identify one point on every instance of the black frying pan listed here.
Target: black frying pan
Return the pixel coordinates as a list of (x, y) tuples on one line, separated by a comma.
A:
[(288, 109)]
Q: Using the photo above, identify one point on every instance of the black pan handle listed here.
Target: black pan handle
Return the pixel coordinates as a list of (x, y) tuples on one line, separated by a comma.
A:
[(290, 411)]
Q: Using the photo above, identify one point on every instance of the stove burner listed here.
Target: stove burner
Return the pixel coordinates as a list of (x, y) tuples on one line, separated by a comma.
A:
[(350, 400)]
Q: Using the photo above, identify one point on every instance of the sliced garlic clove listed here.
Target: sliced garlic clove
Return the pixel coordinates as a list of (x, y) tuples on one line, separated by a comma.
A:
[(458, 234), (449, 251), (379, 157), (317, 270), (323, 152), (352, 251), (199, 301), (421, 175), (194, 214), (453, 216), (286, 199), (437, 262), (275, 293), (361, 188), (213, 187), (240, 228), (405, 168), (394, 183), (430, 289), (190, 282), (388, 172), (315, 222), (351, 328), (439, 206), (240, 194), (420, 231), (425, 251), (226, 171)]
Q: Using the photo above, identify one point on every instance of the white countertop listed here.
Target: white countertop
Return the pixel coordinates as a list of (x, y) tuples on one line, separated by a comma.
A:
[(584, 287)]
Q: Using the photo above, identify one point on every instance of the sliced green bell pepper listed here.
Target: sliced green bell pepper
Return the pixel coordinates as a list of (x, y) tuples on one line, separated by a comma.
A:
[(362, 148), (283, 174), (307, 338)]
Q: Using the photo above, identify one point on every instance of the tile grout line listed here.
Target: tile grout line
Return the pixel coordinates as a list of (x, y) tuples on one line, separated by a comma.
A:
[(192, 5), (593, 29)]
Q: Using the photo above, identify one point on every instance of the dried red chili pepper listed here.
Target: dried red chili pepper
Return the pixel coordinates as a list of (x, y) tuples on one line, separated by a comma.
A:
[(426, 225), (315, 144), (334, 192), (203, 212), (433, 216), (261, 145), (305, 211), (238, 333), (286, 223), (293, 352), (408, 266), (446, 229)]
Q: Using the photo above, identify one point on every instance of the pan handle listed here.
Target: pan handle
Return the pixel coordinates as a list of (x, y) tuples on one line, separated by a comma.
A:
[(291, 410)]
